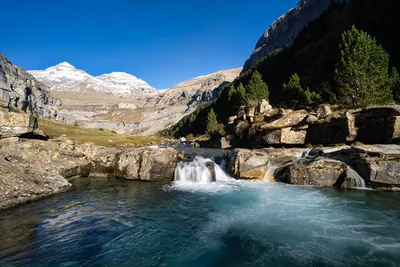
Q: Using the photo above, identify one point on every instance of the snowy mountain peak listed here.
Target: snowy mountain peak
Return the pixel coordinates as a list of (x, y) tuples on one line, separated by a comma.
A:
[(63, 65), (65, 77)]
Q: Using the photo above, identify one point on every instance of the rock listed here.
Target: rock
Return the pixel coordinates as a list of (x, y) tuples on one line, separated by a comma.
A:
[(251, 112), (324, 111), (320, 172), (19, 90), (182, 139), (194, 145), (285, 136), (335, 129), (258, 163), (311, 119), (263, 107), (231, 119), (284, 30), (9, 140), (110, 141), (16, 124), (180, 156), (378, 125), (147, 164), (288, 119)]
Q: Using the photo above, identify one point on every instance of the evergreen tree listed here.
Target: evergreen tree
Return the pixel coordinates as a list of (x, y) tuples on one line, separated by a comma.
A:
[(294, 91), (362, 73), (395, 84), (212, 123), (257, 89), (237, 96)]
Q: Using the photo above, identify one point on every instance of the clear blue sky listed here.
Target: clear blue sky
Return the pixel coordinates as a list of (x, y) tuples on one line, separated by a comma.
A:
[(162, 42)]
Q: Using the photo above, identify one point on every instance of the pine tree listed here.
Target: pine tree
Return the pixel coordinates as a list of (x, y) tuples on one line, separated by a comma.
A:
[(257, 89), (237, 96), (362, 73), (294, 91), (395, 84), (212, 123)]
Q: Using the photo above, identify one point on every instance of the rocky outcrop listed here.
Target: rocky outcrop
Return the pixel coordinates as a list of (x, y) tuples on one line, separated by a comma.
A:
[(320, 172), (259, 164), (19, 90), (14, 124), (32, 169), (284, 30), (319, 126)]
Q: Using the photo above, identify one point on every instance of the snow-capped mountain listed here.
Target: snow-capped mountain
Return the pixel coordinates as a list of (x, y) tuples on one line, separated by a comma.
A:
[(65, 77)]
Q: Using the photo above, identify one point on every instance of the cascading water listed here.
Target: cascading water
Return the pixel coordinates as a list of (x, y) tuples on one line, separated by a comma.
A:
[(200, 171)]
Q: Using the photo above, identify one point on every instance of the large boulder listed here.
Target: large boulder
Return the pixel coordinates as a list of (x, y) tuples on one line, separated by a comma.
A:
[(337, 128), (259, 163), (16, 124), (320, 172), (147, 164), (285, 136), (379, 125), (288, 119)]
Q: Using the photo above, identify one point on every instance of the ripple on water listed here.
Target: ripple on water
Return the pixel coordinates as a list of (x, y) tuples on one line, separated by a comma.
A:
[(228, 223)]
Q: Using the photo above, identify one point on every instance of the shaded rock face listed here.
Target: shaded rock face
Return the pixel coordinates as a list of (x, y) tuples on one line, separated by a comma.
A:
[(284, 30), (378, 125), (19, 90)]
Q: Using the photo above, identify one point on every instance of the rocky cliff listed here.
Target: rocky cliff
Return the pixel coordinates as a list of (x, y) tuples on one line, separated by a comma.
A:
[(21, 91), (284, 30)]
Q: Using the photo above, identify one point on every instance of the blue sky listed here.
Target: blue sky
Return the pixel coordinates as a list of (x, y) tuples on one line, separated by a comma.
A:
[(162, 42)]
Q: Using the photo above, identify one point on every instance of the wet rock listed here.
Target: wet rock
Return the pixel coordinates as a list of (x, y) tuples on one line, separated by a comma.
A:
[(320, 172), (257, 163)]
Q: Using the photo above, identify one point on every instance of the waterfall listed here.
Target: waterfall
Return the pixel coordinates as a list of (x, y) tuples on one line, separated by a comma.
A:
[(200, 171)]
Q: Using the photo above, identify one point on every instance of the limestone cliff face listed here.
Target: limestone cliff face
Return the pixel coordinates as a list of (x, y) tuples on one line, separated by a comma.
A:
[(20, 90), (284, 30)]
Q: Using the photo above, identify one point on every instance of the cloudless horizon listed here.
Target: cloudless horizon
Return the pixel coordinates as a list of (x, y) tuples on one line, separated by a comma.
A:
[(161, 42)]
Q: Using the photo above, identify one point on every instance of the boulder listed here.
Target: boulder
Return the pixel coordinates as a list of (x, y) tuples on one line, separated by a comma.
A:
[(379, 125), (16, 124), (335, 129), (147, 164), (288, 119), (285, 136), (263, 107), (324, 111), (258, 163), (320, 172), (251, 112), (231, 119)]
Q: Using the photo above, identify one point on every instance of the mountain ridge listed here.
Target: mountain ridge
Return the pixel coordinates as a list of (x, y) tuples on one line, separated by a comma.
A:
[(66, 77)]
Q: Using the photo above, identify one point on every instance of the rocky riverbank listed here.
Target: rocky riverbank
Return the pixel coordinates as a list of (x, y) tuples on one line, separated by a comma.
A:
[(33, 168)]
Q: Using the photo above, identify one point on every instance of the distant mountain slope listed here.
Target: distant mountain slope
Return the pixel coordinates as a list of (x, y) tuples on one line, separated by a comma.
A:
[(65, 77), (285, 29)]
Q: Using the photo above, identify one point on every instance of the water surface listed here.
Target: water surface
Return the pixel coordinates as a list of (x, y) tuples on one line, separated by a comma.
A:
[(234, 223)]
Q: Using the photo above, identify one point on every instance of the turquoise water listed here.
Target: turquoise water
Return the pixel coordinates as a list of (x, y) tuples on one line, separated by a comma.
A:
[(123, 223)]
